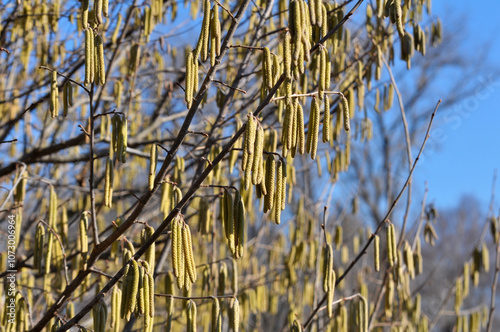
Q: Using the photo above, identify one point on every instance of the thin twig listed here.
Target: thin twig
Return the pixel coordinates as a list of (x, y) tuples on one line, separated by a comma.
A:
[(230, 87), (67, 78), (384, 220)]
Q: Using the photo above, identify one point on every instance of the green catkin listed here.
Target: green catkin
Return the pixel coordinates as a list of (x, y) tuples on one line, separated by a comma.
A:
[(48, 252), (108, 183), (54, 95), (39, 244), (188, 253), (485, 258), (222, 278), (235, 314), (170, 312), (67, 98), (345, 110), (100, 59), (376, 245), (216, 316), (270, 175), (153, 161), (326, 120)]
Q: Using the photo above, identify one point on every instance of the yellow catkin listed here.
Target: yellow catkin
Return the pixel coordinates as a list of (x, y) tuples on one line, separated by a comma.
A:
[(326, 120), (363, 314), (269, 179), (85, 13), (205, 35), (115, 308), (100, 59), (150, 252), (105, 8), (242, 228), (257, 175), (216, 316), (249, 145), (191, 316), (188, 253), (327, 267), (134, 286), (322, 72), (278, 197), (153, 161), (84, 245), (176, 233), (230, 221), (188, 98), (313, 131), (54, 95), (108, 183), (267, 68), (216, 30), (287, 55), (345, 110), (376, 245), (235, 314), (98, 11)]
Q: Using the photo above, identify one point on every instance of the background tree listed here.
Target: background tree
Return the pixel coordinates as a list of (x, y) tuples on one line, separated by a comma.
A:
[(138, 161)]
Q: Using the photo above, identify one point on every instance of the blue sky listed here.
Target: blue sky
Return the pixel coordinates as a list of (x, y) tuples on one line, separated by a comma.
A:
[(464, 150)]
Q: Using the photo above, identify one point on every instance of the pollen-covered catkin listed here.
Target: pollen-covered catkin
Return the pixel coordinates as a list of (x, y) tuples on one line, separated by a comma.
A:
[(287, 55), (176, 234), (267, 68), (84, 245)]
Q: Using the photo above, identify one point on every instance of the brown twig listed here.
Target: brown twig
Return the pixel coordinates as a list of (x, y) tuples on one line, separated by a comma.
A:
[(386, 218)]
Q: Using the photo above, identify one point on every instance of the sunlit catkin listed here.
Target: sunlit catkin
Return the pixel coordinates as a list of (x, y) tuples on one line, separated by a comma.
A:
[(84, 244), (108, 183), (269, 180), (376, 250), (85, 13), (153, 161), (326, 120), (100, 59), (188, 253), (345, 110)]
